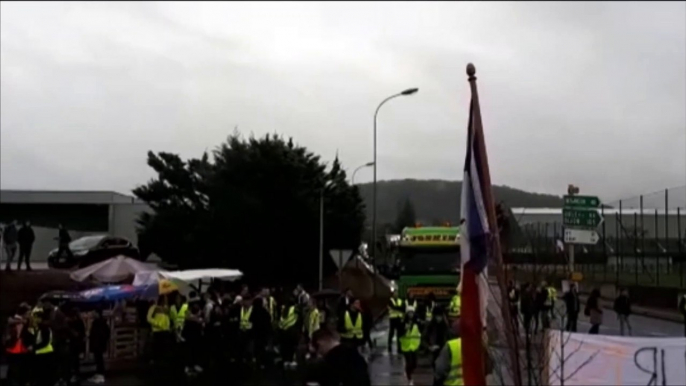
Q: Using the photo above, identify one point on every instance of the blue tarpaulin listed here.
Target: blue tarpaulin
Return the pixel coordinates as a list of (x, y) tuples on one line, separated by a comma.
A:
[(112, 293)]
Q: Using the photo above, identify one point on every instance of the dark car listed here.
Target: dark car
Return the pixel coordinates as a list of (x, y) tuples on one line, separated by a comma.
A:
[(89, 250)]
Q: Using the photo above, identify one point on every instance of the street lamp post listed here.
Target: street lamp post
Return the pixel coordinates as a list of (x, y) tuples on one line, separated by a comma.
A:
[(321, 235), (368, 164), (409, 91)]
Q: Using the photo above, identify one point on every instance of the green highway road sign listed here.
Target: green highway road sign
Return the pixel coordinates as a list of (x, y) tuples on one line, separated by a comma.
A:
[(580, 218), (581, 201)]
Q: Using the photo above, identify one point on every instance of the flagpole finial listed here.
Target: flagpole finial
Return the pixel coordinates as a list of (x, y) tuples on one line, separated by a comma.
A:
[(471, 70)]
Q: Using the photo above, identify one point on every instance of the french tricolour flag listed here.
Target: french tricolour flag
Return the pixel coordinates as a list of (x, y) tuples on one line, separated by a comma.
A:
[(475, 234), (475, 243)]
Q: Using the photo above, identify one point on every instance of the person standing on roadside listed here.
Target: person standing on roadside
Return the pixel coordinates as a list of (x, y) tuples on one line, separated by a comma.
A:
[(396, 312), (410, 341), (594, 312), (63, 240), (513, 297), (18, 344), (682, 308), (26, 238), (44, 355), (77, 343), (573, 307), (622, 307), (10, 237), (527, 306), (437, 333), (98, 340)]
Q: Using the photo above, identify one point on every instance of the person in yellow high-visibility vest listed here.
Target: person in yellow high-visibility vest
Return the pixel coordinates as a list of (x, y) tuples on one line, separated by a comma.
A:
[(44, 357), (396, 312), (289, 332), (410, 341), (455, 306), (177, 314), (448, 365), (350, 326), (162, 335)]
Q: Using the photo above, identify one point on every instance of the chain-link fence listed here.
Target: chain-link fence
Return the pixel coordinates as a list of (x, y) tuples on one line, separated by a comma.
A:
[(642, 242)]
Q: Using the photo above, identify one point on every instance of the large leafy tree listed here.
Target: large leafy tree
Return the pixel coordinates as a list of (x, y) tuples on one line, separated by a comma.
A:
[(254, 206)]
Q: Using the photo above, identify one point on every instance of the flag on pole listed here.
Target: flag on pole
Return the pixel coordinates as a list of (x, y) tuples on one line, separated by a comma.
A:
[(475, 244)]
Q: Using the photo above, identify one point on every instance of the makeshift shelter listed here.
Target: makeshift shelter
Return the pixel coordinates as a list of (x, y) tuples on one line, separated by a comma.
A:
[(115, 270)]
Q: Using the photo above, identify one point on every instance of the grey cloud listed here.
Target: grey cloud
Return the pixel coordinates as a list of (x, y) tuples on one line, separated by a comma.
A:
[(590, 93)]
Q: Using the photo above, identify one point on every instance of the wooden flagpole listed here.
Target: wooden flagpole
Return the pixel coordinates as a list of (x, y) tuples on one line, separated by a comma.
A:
[(487, 191)]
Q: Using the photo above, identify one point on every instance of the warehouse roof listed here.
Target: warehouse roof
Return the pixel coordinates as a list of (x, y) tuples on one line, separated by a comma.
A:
[(94, 197)]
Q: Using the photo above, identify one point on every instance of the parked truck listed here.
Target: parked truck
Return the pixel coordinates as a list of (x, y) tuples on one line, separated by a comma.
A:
[(429, 261)]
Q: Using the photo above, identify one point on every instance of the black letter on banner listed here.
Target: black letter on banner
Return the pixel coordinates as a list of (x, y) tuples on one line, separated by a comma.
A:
[(653, 372)]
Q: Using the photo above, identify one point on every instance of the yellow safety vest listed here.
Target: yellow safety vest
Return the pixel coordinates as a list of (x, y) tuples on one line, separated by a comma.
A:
[(455, 306), (313, 325), (455, 375), (430, 311), (289, 319), (353, 331), (393, 314), (245, 319), (410, 341), (552, 295), (271, 306), (47, 349), (159, 322), (412, 305), (179, 317)]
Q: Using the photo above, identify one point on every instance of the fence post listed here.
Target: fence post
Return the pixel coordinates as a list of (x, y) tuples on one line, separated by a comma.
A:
[(657, 255), (617, 245), (635, 254), (682, 260), (643, 240), (667, 230), (607, 259)]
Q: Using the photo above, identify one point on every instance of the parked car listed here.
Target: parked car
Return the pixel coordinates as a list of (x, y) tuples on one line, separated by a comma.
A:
[(89, 250)]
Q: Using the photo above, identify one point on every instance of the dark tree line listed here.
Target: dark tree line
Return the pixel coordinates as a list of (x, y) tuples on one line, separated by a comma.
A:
[(254, 205)]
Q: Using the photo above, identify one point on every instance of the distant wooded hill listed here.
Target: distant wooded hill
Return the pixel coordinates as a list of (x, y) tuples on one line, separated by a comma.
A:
[(437, 201)]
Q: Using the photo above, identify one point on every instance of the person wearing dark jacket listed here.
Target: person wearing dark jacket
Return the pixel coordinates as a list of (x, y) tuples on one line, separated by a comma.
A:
[(262, 330), (63, 240), (339, 364), (622, 307), (77, 343), (26, 238), (513, 298), (594, 311), (527, 307), (10, 237), (437, 333), (18, 343), (193, 338), (99, 339), (541, 308), (573, 307)]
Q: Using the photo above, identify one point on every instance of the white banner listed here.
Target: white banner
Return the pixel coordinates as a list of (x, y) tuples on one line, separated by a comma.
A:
[(615, 360)]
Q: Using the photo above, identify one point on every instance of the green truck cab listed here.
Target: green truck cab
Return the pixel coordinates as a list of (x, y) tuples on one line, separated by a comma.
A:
[(429, 259)]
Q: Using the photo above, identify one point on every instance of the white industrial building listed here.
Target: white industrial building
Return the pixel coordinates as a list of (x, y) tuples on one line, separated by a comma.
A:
[(81, 212)]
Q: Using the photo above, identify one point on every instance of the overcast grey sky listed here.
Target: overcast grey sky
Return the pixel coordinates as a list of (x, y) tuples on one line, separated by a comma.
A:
[(589, 93)]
